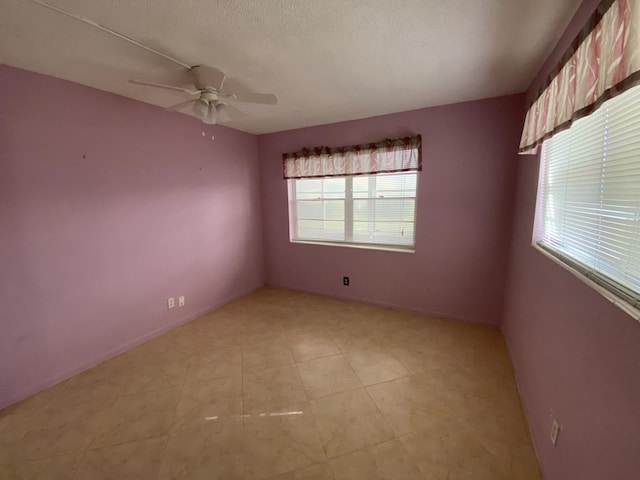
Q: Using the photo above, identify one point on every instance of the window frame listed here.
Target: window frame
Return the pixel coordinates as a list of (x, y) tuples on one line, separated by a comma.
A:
[(578, 272), (624, 297), (348, 220)]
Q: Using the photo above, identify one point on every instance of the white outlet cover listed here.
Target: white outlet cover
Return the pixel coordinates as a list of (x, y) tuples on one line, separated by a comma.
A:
[(555, 431), (171, 302), (181, 301)]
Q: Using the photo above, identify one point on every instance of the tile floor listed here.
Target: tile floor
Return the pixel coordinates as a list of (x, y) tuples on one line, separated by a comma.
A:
[(283, 385)]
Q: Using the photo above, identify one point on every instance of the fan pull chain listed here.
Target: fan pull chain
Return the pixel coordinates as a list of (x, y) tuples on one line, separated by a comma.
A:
[(204, 134)]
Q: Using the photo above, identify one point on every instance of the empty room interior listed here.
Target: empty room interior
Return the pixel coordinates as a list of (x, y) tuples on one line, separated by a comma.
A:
[(295, 240)]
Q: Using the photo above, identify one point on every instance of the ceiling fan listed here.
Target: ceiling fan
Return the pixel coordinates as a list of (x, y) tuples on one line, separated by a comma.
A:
[(211, 105)]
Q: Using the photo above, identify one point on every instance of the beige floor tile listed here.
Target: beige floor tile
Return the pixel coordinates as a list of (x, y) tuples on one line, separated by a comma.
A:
[(7, 472), (281, 441), (421, 356), (35, 403), (412, 404), (183, 340), (264, 320), (307, 345), (447, 450), (156, 373), (319, 471), (221, 325), (271, 388), (263, 333), (102, 383), (131, 461), (16, 420), (215, 340), (376, 366), (356, 337), (524, 463), (10, 435), (493, 422), (301, 324), (58, 468), (466, 380), (455, 408), (210, 452), (171, 345), (327, 375), (258, 356), (60, 431), (319, 314), (387, 461), (507, 456), (349, 421), (206, 365), (14, 417), (423, 329), (137, 417), (204, 402)]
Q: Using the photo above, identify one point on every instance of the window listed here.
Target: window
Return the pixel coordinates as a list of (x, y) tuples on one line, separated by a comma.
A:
[(360, 195), (589, 197), (368, 210)]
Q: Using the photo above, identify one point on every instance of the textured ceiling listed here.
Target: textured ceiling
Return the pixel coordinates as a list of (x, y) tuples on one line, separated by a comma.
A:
[(327, 61)]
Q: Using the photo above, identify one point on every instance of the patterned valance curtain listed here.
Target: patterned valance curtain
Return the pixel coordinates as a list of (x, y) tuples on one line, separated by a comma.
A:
[(398, 155), (602, 62)]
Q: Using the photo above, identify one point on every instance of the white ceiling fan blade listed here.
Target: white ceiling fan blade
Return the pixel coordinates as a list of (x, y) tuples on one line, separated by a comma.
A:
[(180, 105), (165, 87), (263, 98), (204, 77)]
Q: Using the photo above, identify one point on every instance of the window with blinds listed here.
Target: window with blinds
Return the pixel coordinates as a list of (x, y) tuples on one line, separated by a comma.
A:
[(368, 210), (590, 196)]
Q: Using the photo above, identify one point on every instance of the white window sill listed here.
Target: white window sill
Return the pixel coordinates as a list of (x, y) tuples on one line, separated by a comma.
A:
[(362, 246), (609, 295)]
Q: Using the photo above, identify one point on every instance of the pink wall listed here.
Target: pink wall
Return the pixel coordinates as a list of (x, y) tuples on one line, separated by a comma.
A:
[(464, 211), (575, 354), (92, 247)]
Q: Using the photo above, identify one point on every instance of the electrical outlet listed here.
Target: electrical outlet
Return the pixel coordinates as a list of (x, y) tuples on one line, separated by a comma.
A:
[(181, 301), (345, 281), (555, 431), (171, 303)]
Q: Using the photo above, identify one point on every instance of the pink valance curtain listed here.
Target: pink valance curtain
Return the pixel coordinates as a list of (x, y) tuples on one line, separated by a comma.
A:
[(602, 62), (398, 155)]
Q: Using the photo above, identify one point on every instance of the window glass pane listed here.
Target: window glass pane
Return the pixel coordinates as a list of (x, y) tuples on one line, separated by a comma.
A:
[(590, 191), (398, 185), (320, 230), (361, 186), (364, 209), (319, 188), (321, 209), (384, 209), (334, 187), (385, 233)]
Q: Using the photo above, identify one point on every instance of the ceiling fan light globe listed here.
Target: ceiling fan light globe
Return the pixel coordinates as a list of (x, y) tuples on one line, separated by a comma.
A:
[(201, 109), (211, 118), (222, 112)]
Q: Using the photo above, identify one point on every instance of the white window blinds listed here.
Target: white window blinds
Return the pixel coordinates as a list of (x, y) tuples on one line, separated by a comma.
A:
[(590, 194), (365, 209)]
